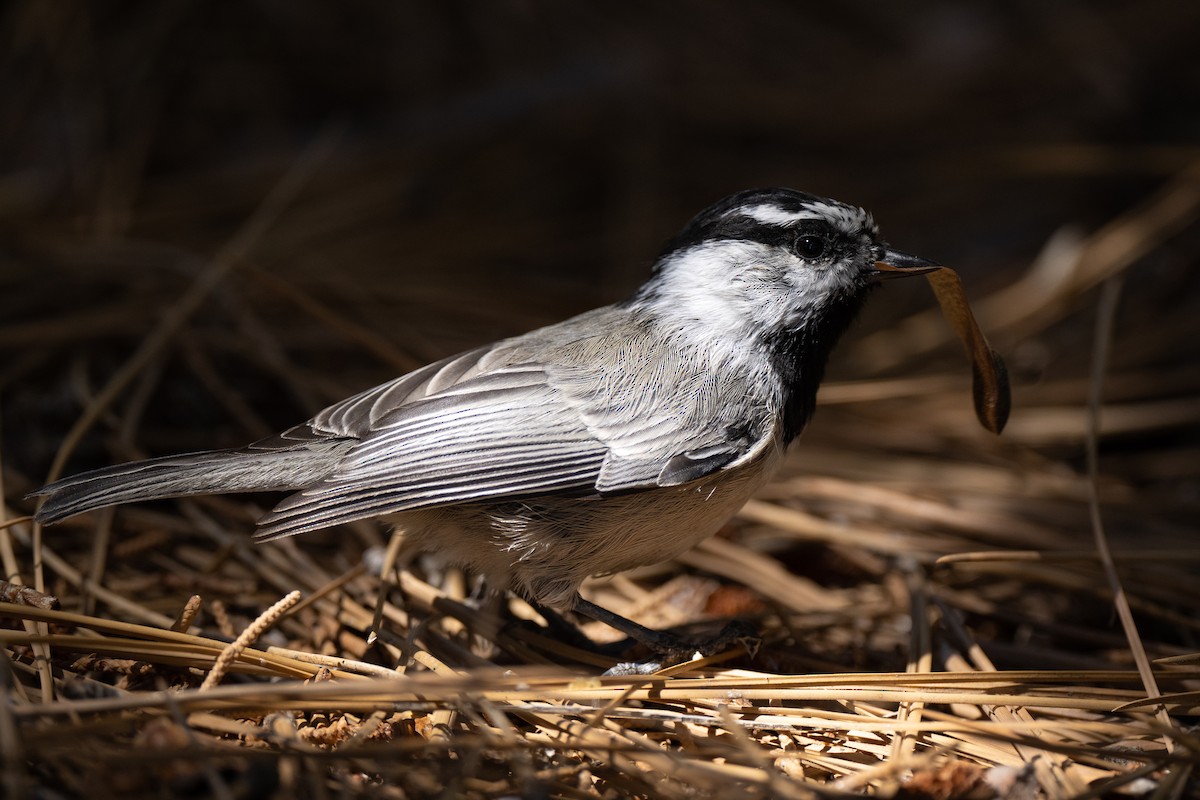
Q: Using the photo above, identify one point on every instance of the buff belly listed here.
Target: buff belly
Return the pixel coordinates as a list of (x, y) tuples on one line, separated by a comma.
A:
[(543, 548)]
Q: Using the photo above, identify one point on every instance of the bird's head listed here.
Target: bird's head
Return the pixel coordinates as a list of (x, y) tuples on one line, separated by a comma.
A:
[(766, 261)]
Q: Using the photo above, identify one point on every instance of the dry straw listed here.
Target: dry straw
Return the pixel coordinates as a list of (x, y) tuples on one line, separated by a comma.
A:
[(488, 700), (944, 613)]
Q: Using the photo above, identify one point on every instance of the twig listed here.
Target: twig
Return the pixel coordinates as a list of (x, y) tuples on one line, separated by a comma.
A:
[(247, 637), (1110, 296)]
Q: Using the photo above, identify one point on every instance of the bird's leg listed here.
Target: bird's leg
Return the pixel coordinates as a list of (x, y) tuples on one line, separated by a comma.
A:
[(671, 647), (561, 628)]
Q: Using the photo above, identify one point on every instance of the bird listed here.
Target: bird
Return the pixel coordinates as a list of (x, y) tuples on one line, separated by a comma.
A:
[(618, 438)]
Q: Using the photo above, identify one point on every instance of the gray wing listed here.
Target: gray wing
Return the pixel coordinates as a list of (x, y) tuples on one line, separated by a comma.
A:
[(525, 417)]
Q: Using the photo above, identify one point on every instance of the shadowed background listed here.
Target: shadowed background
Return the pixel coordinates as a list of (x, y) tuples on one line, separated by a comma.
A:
[(217, 218), (494, 167)]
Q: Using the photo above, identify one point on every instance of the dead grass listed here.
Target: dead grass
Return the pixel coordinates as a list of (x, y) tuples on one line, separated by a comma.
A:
[(945, 613)]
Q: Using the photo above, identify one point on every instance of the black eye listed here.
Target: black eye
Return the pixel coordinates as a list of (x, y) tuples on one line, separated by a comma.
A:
[(810, 246)]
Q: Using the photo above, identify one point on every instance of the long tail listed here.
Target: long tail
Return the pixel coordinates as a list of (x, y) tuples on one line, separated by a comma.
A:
[(210, 472)]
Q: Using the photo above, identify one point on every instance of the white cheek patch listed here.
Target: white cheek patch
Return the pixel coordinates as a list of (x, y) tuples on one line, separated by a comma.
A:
[(705, 282), (736, 287)]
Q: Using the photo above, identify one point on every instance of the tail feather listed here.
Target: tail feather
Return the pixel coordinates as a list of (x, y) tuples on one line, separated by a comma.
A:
[(210, 472)]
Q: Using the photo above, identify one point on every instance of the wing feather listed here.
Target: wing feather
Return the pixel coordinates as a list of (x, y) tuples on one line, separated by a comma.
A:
[(529, 416), (499, 434)]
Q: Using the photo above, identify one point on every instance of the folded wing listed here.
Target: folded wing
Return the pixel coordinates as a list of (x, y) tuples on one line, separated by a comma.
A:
[(494, 423)]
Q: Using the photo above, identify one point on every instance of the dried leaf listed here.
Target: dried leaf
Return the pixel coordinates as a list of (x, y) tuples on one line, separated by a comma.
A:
[(990, 376)]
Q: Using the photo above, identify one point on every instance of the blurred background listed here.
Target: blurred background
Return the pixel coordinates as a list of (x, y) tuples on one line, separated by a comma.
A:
[(215, 218)]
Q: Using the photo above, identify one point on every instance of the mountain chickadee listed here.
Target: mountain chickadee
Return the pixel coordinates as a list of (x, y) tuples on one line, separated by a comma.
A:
[(615, 439)]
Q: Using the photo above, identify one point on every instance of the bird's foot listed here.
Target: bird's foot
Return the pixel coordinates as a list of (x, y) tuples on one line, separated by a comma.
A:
[(672, 648)]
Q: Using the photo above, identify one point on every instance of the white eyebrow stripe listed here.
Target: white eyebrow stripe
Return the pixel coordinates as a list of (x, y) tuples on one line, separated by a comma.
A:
[(848, 218), (774, 215)]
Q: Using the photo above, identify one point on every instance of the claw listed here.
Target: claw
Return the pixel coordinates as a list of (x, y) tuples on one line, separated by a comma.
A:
[(670, 647), (627, 668)]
